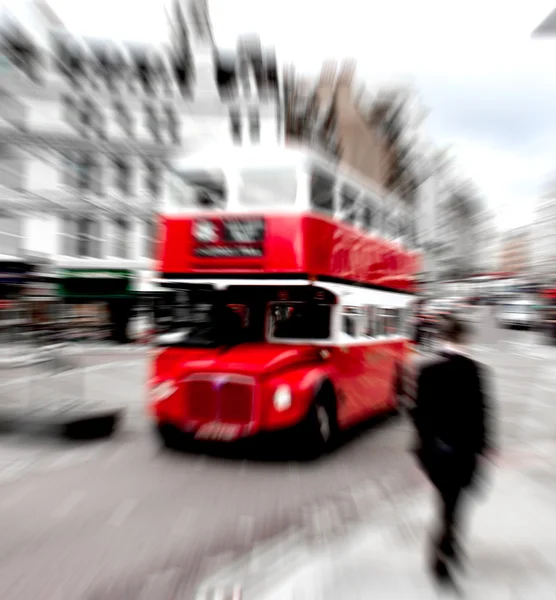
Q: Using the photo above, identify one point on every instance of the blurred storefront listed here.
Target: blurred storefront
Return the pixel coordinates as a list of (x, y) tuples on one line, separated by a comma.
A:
[(98, 303)]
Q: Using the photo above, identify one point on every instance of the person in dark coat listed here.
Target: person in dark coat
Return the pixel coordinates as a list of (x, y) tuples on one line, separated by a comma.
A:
[(451, 413)]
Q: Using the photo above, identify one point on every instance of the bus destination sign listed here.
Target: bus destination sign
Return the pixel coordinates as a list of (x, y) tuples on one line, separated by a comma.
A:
[(229, 251), (243, 230), (234, 238)]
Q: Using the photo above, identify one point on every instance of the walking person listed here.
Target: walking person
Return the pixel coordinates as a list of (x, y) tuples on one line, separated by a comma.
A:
[(453, 424)]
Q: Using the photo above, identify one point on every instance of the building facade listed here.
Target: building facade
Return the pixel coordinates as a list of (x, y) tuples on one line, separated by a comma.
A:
[(369, 133), (515, 259), (544, 239), (89, 130)]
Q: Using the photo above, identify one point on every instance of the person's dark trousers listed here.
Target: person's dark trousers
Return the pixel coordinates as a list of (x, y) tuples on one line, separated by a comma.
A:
[(451, 475), (447, 536)]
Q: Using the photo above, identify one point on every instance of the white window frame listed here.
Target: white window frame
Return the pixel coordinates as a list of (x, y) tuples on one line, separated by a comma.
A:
[(17, 236), (67, 237)]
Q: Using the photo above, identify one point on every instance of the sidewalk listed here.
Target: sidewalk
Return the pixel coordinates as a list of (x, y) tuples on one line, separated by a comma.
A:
[(511, 543)]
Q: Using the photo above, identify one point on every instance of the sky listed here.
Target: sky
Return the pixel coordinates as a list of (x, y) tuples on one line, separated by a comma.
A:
[(490, 89)]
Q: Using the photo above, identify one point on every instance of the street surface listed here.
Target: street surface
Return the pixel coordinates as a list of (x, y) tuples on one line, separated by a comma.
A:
[(121, 519)]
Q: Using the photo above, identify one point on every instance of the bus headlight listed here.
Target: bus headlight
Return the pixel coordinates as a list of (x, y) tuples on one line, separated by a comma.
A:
[(163, 390), (205, 231), (282, 397)]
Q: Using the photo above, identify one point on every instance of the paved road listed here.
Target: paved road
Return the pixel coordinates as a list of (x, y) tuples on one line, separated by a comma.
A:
[(120, 519)]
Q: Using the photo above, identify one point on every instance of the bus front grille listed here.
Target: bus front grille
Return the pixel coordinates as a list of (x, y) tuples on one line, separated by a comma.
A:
[(222, 398)]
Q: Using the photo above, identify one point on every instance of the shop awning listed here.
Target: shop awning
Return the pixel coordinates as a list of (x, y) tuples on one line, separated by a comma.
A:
[(95, 284)]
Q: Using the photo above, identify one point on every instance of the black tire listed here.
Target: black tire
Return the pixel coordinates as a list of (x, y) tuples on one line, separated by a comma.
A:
[(399, 392), (318, 433), (171, 437), (91, 428)]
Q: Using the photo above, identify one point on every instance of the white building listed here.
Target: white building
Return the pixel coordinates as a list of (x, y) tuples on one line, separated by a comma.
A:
[(487, 254), (88, 129), (544, 238)]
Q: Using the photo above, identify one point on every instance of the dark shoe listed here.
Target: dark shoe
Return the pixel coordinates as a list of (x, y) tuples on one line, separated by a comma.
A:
[(441, 572), (458, 556)]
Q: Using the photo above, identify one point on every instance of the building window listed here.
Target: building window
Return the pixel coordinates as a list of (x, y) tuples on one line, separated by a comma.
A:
[(12, 173), (254, 127), (123, 117), (244, 72), (84, 174), (200, 25), (87, 114), (226, 77), (173, 124), (149, 239), (182, 73), (100, 124), (22, 55), (153, 180), (70, 109), (121, 236), (88, 238), (10, 235), (122, 176), (144, 73), (152, 122), (235, 119), (69, 236)]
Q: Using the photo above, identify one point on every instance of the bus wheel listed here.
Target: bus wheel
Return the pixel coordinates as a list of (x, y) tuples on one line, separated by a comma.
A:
[(319, 431), (398, 392), (170, 436)]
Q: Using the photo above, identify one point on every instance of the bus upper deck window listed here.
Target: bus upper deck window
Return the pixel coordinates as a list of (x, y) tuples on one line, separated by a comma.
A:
[(268, 187), (349, 204), (322, 192), (199, 189)]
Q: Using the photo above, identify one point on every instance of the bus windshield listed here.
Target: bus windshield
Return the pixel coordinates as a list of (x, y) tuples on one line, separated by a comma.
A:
[(211, 318), (268, 187), (300, 321), (185, 319)]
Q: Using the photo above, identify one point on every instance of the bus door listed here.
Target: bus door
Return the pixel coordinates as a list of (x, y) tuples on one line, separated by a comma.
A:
[(355, 374)]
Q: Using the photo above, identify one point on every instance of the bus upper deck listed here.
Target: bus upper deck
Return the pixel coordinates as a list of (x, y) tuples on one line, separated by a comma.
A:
[(283, 212)]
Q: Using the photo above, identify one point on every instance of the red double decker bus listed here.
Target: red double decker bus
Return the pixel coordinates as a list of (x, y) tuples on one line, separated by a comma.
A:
[(288, 289)]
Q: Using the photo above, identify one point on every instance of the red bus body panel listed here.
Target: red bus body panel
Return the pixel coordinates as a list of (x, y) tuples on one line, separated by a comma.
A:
[(236, 386), (296, 244), (363, 377)]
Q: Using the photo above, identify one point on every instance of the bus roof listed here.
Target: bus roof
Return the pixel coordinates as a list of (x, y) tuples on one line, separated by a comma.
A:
[(226, 157), (232, 156)]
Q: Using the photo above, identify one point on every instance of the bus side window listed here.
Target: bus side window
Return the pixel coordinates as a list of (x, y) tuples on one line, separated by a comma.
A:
[(380, 322), (349, 204), (348, 324), (354, 321), (390, 224), (404, 327), (370, 330), (322, 192), (394, 322), (377, 225), (368, 214)]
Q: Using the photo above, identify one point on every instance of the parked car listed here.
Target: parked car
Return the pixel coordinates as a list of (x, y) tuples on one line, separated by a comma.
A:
[(520, 314)]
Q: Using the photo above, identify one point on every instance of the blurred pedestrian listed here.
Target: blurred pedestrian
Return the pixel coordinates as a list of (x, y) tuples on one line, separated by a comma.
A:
[(452, 419)]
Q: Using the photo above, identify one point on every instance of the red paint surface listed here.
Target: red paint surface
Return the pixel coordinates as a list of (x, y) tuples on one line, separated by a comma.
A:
[(297, 244), (362, 375)]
